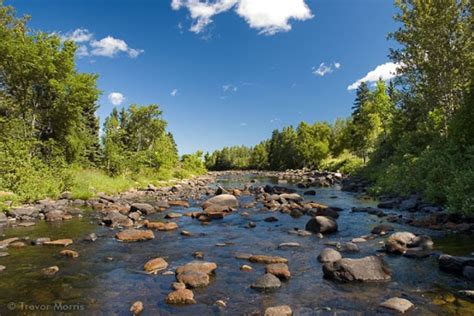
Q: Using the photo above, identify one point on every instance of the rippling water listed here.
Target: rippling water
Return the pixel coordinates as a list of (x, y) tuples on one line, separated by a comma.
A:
[(107, 277)]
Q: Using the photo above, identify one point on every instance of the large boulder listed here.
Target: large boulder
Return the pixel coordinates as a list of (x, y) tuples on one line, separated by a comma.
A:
[(267, 259), (145, 208), (401, 242), (454, 264), (321, 224), (196, 273), (155, 265), (227, 201), (367, 269), (24, 213), (279, 270), (114, 219)]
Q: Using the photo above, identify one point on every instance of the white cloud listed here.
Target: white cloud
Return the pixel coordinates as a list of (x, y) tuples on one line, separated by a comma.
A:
[(109, 47), (229, 88), (116, 98), (106, 47), (267, 16), (174, 92), (385, 71), (324, 69), (78, 36)]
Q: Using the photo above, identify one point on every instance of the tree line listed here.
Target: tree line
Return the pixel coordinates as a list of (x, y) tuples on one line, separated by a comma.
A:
[(48, 122), (413, 136)]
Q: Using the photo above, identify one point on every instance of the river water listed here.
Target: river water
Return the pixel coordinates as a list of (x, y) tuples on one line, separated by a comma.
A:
[(107, 277)]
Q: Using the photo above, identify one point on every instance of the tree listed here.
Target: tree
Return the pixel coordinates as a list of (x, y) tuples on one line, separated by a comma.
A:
[(313, 143)]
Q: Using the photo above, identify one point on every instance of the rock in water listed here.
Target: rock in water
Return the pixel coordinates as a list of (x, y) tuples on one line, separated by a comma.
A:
[(145, 208), (367, 269), (400, 305), (280, 270), (225, 200), (69, 253), (134, 235), (329, 255), (161, 226), (267, 259), (155, 265), (58, 242), (136, 308), (321, 224), (282, 310), (266, 282), (195, 273), (181, 297), (50, 271)]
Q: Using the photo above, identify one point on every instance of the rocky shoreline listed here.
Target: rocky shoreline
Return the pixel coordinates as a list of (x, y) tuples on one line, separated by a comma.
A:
[(128, 213)]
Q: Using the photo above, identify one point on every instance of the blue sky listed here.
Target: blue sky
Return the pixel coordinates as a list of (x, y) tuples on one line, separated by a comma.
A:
[(225, 72)]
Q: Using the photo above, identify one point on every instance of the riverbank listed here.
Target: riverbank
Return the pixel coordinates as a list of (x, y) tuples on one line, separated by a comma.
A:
[(232, 242)]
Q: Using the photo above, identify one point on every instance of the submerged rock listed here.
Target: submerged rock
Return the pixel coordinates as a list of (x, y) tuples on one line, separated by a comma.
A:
[(454, 264), (144, 208), (59, 242), (161, 226), (267, 259), (225, 200), (282, 310), (321, 224), (69, 253), (400, 305), (266, 282), (136, 308), (400, 242), (371, 268), (193, 279), (50, 271)]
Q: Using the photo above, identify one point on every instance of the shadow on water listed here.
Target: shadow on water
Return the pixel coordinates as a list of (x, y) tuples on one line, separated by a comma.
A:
[(107, 276)]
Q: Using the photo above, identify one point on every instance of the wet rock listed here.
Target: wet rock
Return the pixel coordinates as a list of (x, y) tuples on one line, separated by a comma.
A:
[(54, 216), (329, 255), (144, 208), (371, 268), (389, 204), (161, 226), (181, 297), (400, 242), (468, 272), (50, 271), (136, 308), (321, 224), (6, 242), (226, 200), (328, 212), (241, 255), (24, 213), (310, 192), (468, 293), (193, 279), (289, 245), (293, 197), (2, 268), (178, 285), (251, 225), (91, 237), (4, 254), (40, 241), (381, 229), (296, 213), (246, 268), (280, 270), (267, 259), (3, 217), (179, 203), (114, 219), (347, 247), (358, 240), (162, 205), (221, 303), (266, 282), (135, 216), (130, 235), (155, 265), (193, 271), (400, 305), (271, 219), (409, 204), (185, 233), (282, 310), (17, 244), (198, 255), (173, 215), (59, 242), (454, 264), (69, 253), (300, 232)]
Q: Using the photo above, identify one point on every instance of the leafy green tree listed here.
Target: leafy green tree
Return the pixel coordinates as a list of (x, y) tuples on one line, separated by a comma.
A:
[(313, 143)]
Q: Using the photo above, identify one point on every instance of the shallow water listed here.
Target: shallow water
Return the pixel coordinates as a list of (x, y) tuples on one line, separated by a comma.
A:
[(107, 277)]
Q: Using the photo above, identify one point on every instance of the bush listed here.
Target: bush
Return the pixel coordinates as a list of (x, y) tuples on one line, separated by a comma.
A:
[(346, 163)]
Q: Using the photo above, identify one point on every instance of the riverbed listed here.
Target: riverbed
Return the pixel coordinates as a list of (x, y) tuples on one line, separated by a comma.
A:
[(108, 276)]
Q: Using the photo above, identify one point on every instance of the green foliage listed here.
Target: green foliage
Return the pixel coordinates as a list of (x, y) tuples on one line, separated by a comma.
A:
[(191, 165), (346, 162)]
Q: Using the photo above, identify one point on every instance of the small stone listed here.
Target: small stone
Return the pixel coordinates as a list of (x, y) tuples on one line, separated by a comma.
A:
[(50, 271), (400, 305), (266, 282), (251, 225), (91, 237), (173, 215), (289, 245), (221, 303), (69, 253), (271, 219), (134, 235), (2, 268), (161, 226), (40, 241), (185, 233), (198, 255), (155, 265), (136, 308), (358, 240), (241, 255), (178, 285), (181, 297), (17, 244), (246, 268), (282, 310)]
